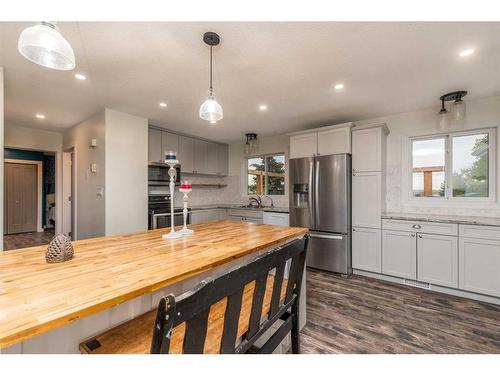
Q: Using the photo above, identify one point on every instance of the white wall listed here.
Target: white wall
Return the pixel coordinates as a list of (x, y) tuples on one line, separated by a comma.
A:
[(126, 177), (1, 156), (481, 113), (89, 206)]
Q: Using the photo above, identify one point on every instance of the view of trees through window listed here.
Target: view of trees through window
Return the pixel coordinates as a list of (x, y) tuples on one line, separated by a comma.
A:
[(469, 157), (266, 175)]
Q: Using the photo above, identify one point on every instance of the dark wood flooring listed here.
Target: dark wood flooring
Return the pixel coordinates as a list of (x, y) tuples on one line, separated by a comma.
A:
[(364, 315), (18, 241)]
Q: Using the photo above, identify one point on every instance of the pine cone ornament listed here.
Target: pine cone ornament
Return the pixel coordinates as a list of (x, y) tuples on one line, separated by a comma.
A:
[(60, 249)]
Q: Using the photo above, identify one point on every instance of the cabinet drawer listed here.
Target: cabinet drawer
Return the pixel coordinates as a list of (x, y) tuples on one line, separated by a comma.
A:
[(479, 231), (245, 213), (420, 226)]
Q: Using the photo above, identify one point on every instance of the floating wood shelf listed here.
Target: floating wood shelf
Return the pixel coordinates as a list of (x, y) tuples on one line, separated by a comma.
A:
[(218, 186)]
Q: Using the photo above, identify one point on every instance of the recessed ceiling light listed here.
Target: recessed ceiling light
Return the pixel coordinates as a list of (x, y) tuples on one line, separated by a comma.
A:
[(339, 86), (40, 116), (262, 107), (163, 104), (80, 76), (466, 52)]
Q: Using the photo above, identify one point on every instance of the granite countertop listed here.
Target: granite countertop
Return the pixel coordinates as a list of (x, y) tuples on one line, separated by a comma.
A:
[(239, 207), (454, 219)]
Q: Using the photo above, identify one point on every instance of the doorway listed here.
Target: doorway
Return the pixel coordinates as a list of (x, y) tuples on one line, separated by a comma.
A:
[(21, 203)]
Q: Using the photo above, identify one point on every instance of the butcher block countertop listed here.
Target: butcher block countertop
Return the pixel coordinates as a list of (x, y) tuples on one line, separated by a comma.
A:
[(36, 297)]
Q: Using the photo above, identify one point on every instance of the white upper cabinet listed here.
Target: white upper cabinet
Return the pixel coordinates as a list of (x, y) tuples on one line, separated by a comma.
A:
[(368, 149), (169, 142), (303, 145), (334, 141), (322, 141), (154, 145), (366, 200), (222, 160), (186, 154)]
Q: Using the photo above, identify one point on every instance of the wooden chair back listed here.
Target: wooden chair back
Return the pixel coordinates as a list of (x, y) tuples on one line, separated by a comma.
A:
[(193, 307)]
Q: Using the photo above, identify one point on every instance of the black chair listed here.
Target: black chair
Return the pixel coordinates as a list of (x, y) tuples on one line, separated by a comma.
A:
[(193, 307)]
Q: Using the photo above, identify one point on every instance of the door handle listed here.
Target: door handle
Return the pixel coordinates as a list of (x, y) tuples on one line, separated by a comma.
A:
[(310, 193), (328, 237), (316, 193)]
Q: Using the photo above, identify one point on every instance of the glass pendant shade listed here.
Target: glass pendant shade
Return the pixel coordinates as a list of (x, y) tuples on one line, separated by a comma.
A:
[(442, 120), (44, 45), (210, 110), (458, 110)]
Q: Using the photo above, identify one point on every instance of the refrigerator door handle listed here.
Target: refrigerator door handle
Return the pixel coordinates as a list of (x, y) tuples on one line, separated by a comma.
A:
[(316, 193), (326, 236), (310, 195)]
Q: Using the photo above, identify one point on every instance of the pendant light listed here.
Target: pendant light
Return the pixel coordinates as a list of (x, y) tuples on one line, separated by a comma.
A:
[(457, 110), (210, 110), (44, 45), (252, 143)]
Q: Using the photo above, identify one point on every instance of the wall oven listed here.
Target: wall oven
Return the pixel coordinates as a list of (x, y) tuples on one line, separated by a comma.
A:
[(159, 215)]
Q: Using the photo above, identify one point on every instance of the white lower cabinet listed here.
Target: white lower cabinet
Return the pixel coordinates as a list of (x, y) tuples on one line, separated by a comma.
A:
[(399, 254), (367, 249), (479, 266), (276, 218), (437, 259)]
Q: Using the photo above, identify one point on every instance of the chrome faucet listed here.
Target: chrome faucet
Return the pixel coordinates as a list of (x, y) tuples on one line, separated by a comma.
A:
[(257, 200), (271, 199)]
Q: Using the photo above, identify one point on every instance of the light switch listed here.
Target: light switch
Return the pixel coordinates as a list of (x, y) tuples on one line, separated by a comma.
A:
[(93, 142), (93, 168), (100, 192)]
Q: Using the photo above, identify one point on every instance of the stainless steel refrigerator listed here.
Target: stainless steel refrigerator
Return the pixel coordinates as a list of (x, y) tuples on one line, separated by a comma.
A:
[(320, 199)]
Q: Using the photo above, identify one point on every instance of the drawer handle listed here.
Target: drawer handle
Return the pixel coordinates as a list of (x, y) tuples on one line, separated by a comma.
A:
[(416, 226), (419, 236), (412, 235)]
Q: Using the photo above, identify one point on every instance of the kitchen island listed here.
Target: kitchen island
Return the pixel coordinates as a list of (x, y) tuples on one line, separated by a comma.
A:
[(51, 308)]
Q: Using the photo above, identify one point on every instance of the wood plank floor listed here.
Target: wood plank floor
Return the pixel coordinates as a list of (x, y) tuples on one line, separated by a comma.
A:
[(22, 240), (364, 315)]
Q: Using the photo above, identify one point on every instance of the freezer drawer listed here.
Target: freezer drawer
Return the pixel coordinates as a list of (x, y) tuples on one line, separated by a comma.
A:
[(329, 252)]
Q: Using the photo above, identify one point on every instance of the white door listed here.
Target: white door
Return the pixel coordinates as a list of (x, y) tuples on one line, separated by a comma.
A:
[(334, 141), (367, 249), (66, 193), (479, 266), (367, 150), (366, 199), (437, 259), (399, 254), (303, 145)]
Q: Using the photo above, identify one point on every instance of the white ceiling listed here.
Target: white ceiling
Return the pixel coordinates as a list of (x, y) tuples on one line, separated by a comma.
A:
[(292, 67)]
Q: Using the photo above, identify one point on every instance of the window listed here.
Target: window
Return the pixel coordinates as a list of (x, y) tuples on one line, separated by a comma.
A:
[(266, 175), (455, 165)]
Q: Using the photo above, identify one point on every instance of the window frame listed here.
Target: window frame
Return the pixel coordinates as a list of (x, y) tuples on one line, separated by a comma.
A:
[(448, 161), (264, 156)]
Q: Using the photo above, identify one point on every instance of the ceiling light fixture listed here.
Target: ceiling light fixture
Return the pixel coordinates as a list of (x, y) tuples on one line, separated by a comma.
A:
[(339, 86), (210, 110), (40, 116), (252, 143), (466, 52), (163, 104), (262, 107), (44, 45), (457, 111), (80, 77)]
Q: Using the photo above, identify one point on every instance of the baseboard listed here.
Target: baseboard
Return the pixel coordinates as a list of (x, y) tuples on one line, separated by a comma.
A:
[(432, 287)]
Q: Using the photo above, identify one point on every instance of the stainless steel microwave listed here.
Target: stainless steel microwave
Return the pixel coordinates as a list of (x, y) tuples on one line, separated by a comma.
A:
[(158, 174)]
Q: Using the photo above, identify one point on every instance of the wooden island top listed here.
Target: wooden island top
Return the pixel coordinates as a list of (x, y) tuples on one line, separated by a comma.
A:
[(36, 297)]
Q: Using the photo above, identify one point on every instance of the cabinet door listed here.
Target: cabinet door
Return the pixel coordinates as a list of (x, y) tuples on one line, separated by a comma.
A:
[(367, 150), (222, 160), (154, 145), (367, 249), (186, 154), (366, 199), (169, 142), (479, 266), (212, 158), (200, 156), (334, 141), (399, 254), (303, 145), (204, 216), (276, 218), (437, 259)]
